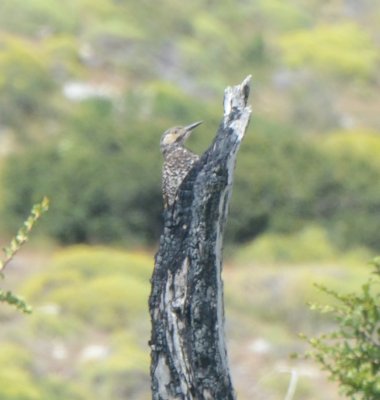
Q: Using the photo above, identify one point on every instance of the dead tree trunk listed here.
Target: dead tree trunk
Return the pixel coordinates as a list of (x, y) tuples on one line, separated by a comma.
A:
[(188, 351)]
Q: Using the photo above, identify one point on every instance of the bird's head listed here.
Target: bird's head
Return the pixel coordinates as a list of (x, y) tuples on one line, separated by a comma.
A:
[(176, 136)]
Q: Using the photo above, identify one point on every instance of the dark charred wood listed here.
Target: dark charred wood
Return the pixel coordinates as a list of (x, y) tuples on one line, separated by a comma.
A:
[(188, 350)]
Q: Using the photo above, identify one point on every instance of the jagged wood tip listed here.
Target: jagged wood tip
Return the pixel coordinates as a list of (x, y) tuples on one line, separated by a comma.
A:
[(236, 97)]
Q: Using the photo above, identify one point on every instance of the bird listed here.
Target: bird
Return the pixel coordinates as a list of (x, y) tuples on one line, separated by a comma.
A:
[(178, 160)]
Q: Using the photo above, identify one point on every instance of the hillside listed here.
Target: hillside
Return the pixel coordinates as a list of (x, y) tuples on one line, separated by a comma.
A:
[(86, 90), (87, 336)]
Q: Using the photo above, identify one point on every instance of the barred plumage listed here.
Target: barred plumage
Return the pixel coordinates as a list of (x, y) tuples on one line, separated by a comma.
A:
[(177, 160)]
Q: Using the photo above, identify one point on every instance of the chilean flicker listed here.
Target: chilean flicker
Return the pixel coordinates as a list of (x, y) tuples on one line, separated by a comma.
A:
[(177, 160)]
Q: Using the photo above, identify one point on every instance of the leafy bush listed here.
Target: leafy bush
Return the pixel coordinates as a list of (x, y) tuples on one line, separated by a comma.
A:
[(282, 15), (278, 294), (343, 49), (19, 380), (347, 199), (277, 175), (102, 287), (100, 188), (98, 160), (90, 296), (103, 190), (25, 78), (104, 302), (123, 371), (311, 244), (351, 353)]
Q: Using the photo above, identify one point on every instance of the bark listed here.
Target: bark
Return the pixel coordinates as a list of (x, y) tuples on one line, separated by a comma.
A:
[(188, 350)]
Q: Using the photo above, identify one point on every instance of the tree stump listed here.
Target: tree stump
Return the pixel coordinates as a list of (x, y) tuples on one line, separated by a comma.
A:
[(188, 350)]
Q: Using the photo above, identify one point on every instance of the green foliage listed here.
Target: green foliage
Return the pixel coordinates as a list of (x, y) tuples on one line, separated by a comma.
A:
[(117, 300), (91, 261), (22, 234), (278, 294), (32, 17), (16, 301), (347, 199), (91, 296), (351, 353), (281, 15), (103, 179), (310, 244), (126, 365), (15, 245), (24, 77), (94, 198), (283, 181), (276, 178), (360, 144), (18, 381), (343, 49), (98, 159), (116, 286)]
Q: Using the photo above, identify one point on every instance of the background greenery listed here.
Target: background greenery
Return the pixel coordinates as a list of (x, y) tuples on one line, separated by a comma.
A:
[(86, 90)]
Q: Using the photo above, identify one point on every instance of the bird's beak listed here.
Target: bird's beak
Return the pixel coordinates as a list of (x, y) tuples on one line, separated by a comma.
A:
[(190, 127)]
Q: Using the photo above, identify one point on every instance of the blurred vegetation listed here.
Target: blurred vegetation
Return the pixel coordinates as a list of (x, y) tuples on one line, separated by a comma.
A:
[(90, 323), (309, 245), (343, 49), (87, 90), (88, 334)]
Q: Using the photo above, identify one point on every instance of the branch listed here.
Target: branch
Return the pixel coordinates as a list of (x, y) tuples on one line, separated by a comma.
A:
[(10, 251)]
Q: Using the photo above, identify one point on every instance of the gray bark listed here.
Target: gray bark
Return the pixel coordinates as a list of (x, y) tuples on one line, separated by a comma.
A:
[(188, 350)]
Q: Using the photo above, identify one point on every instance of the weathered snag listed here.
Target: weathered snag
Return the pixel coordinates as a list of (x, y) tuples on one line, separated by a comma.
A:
[(188, 350)]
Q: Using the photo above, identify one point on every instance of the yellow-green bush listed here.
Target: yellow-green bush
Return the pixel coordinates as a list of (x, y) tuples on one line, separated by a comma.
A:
[(358, 143), (350, 354), (126, 365), (24, 76), (281, 15), (104, 287), (95, 260), (19, 380), (310, 244), (344, 49), (85, 296), (104, 301), (277, 296), (349, 199)]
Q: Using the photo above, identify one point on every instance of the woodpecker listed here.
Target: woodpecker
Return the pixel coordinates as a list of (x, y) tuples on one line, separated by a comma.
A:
[(177, 160)]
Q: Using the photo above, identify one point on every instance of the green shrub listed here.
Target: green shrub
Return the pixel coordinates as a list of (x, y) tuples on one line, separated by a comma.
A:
[(97, 286), (310, 244), (19, 381), (351, 353), (342, 49), (17, 384), (347, 199), (27, 18), (105, 302), (277, 295), (25, 77), (276, 177), (100, 189), (104, 184), (85, 296)]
